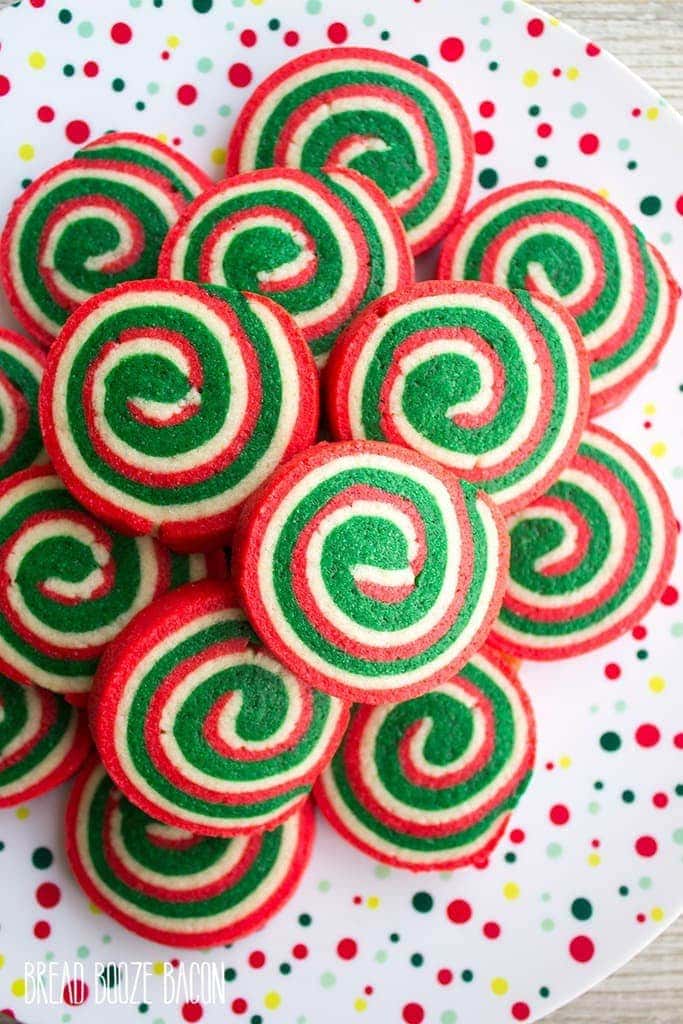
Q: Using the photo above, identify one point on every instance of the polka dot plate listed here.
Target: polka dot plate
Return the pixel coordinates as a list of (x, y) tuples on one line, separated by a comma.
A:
[(591, 868)]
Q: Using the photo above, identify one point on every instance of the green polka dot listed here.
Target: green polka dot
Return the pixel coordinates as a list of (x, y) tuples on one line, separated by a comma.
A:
[(679, 789), (224, 110), (382, 871), (534, 110), (650, 205), (204, 64), (394, 937), (631, 165), (324, 886), (305, 920), (198, 130), (285, 968), (645, 882), (135, 3), (544, 991), (384, 35), (82, 952), (510, 857), (642, 655), (547, 924), (610, 741), (417, 959), (381, 956), (449, 1017), (42, 858), (623, 890), (628, 796), (594, 807), (313, 6), (623, 145), (582, 909), (488, 178), (327, 980), (467, 975), (494, 65), (598, 784), (139, 105), (420, 58), (678, 836), (554, 850), (274, 24), (422, 902), (578, 109), (485, 45), (153, 88), (202, 6), (68, 70), (65, 16), (541, 161), (666, 237), (546, 897), (86, 29), (620, 706), (677, 629), (229, 973), (508, 6), (143, 1008), (369, 19)]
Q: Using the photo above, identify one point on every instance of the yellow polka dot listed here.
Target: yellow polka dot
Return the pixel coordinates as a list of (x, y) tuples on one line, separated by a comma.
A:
[(649, 408), (218, 156), (162, 136), (511, 890), (573, 74), (359, 1004), (657, 914), (158, 967), (26, 151), (499, 986), (172, 42), (272, 1000), (373, 902), (36, 60), (593, 860), (2, 960), (604, 192), (530, 78), (257, 3), (565, 761), (652, 113), (22, 813), (554, 22), (657, 684), (18, 987), (658, 449)]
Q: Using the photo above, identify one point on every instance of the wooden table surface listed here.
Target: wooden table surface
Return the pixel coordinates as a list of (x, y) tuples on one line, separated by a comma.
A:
[(647, 35)]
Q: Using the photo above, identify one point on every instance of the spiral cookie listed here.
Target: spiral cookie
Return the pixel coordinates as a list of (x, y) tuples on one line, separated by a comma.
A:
[(369, 571), (491, 384), (43, 741), (21, 370), (165, 404), (68, 586), (199, 726), (570, 244), (382, 115), (590, 557), (321, 251), (88, 224), (169, 885), (429, 784), (147, 152)]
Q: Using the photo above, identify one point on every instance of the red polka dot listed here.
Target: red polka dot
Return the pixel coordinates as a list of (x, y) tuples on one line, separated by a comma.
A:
[(4, 85), (589, 143), (612, 670), (459, 911), (491, 930), (636, 112), (248, 37), (487, 108), (186, 94), (639, 632), (517, 835), (291, 38), (257, 959), (77, 132), (121, 33), (595, 843), (592, 49), (75, 993), (679, 205), (520, 1011), (174, 962), (640, 918), (192, 1011), (413, 1013), (444, 976), (239, 75), (36, 3), (678, 740), (559, 814), (647, 735), (41, 929), (165, 55), (535, 27), (48, 894), (357, 900), (368, 990), (544, 130), (452, 48), (91, 69), (557, 72), (670, 595), (660, 800), (581, 949), (347, 949), (483, 142), (45, 114), (337, 32), (300, 951), (646, 846), (239, 1006)]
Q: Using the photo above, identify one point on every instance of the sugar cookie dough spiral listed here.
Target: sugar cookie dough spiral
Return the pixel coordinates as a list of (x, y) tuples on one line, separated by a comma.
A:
[(21, 370), (151, 154), (321, 250), (429, 784), (382, 115), (590, 557), (369, 571), (68, 585), (165, 404), (88, 224), (489, 383), (572, 245), (169, 885), (43, 741), (200, 726)]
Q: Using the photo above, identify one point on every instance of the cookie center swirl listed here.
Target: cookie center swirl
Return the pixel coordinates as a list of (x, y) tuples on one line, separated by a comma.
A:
[(15, 416)]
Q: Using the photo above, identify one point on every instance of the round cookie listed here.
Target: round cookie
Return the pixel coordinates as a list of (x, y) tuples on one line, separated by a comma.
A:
[(492, 384), (169, 885), (369, 571), (21, 370), (148, 152), (88, 224), (43, 741), (201, 727), (572, 245), (165, 404), (385, 116), (429, 784), (68, 585), (590, 557), (321, 250)]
